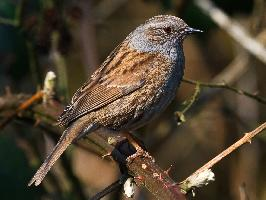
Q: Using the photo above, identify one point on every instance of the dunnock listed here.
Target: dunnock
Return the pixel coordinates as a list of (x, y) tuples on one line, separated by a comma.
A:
[(133, 85)]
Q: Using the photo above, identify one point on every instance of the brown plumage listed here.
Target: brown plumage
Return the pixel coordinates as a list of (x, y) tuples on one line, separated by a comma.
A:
[(134, 84)]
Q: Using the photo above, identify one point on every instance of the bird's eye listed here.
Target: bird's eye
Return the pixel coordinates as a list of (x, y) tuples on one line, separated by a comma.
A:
[(167, 30)]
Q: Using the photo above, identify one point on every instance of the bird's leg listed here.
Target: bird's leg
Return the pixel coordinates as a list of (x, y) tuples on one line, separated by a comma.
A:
[(140, 152)]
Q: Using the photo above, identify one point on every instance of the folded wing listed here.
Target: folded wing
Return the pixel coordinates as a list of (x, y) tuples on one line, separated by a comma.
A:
[(102, 88)]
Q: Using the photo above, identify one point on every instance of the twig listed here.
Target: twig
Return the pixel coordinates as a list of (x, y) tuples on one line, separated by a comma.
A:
[(225, 86), (180, 115), (245, 139), (109, 189), (23, 106), (46, 93), (234, 29)]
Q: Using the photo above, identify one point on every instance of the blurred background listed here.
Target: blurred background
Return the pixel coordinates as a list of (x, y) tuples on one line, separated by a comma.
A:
[(72, 38)]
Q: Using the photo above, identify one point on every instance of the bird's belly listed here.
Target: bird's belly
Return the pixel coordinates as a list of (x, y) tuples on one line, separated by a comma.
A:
[(153, 106), (140, 107)]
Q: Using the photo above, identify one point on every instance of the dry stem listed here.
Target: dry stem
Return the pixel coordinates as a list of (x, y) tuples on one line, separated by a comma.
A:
[(245, 139), (225, 86), (23, 106), (234, 29)]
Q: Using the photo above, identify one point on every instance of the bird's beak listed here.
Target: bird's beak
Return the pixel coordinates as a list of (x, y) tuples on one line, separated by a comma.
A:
[(190, 30)]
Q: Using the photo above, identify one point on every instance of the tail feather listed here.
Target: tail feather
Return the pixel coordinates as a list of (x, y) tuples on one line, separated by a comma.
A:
[(66, 139)]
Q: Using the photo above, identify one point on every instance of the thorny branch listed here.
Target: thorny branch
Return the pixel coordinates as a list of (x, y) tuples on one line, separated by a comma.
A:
[(44, 94), (23, 106), (206, 168), (146, 172)]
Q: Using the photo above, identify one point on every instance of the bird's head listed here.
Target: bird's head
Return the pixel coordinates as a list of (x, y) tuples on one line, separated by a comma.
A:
[(161, 33)]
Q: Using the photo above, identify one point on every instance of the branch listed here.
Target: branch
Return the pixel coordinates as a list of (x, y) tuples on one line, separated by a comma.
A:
[(225, 86), (145, 171), (234, 29), (111, 188), (23, 106), (192, 181), (46, 94), (180, 115), (148, 174)]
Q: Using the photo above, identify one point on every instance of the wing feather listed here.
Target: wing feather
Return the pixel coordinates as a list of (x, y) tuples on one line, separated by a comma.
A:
[(94, 95)]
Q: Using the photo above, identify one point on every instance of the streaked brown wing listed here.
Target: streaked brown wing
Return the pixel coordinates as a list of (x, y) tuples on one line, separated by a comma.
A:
[(102, 88)]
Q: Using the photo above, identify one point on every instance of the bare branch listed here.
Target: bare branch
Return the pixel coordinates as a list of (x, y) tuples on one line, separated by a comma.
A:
[(225, 86), (46, 94), (180, 115), (245, 139), (234, 29), (111, 188), (23, 106)]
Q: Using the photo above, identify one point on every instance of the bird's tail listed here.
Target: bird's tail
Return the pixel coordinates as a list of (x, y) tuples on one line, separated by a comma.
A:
[(71, 133)]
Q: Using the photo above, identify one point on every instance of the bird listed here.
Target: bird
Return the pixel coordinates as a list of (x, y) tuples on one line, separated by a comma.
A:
[(135, 83)]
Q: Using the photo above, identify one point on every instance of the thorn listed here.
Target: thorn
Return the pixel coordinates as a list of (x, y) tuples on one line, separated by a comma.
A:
[(249, 140), (160, 177), (168, 170), (139, 178), (166, 186)]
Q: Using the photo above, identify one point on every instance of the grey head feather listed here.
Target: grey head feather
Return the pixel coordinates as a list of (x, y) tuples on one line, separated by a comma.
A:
[(160, 34)]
